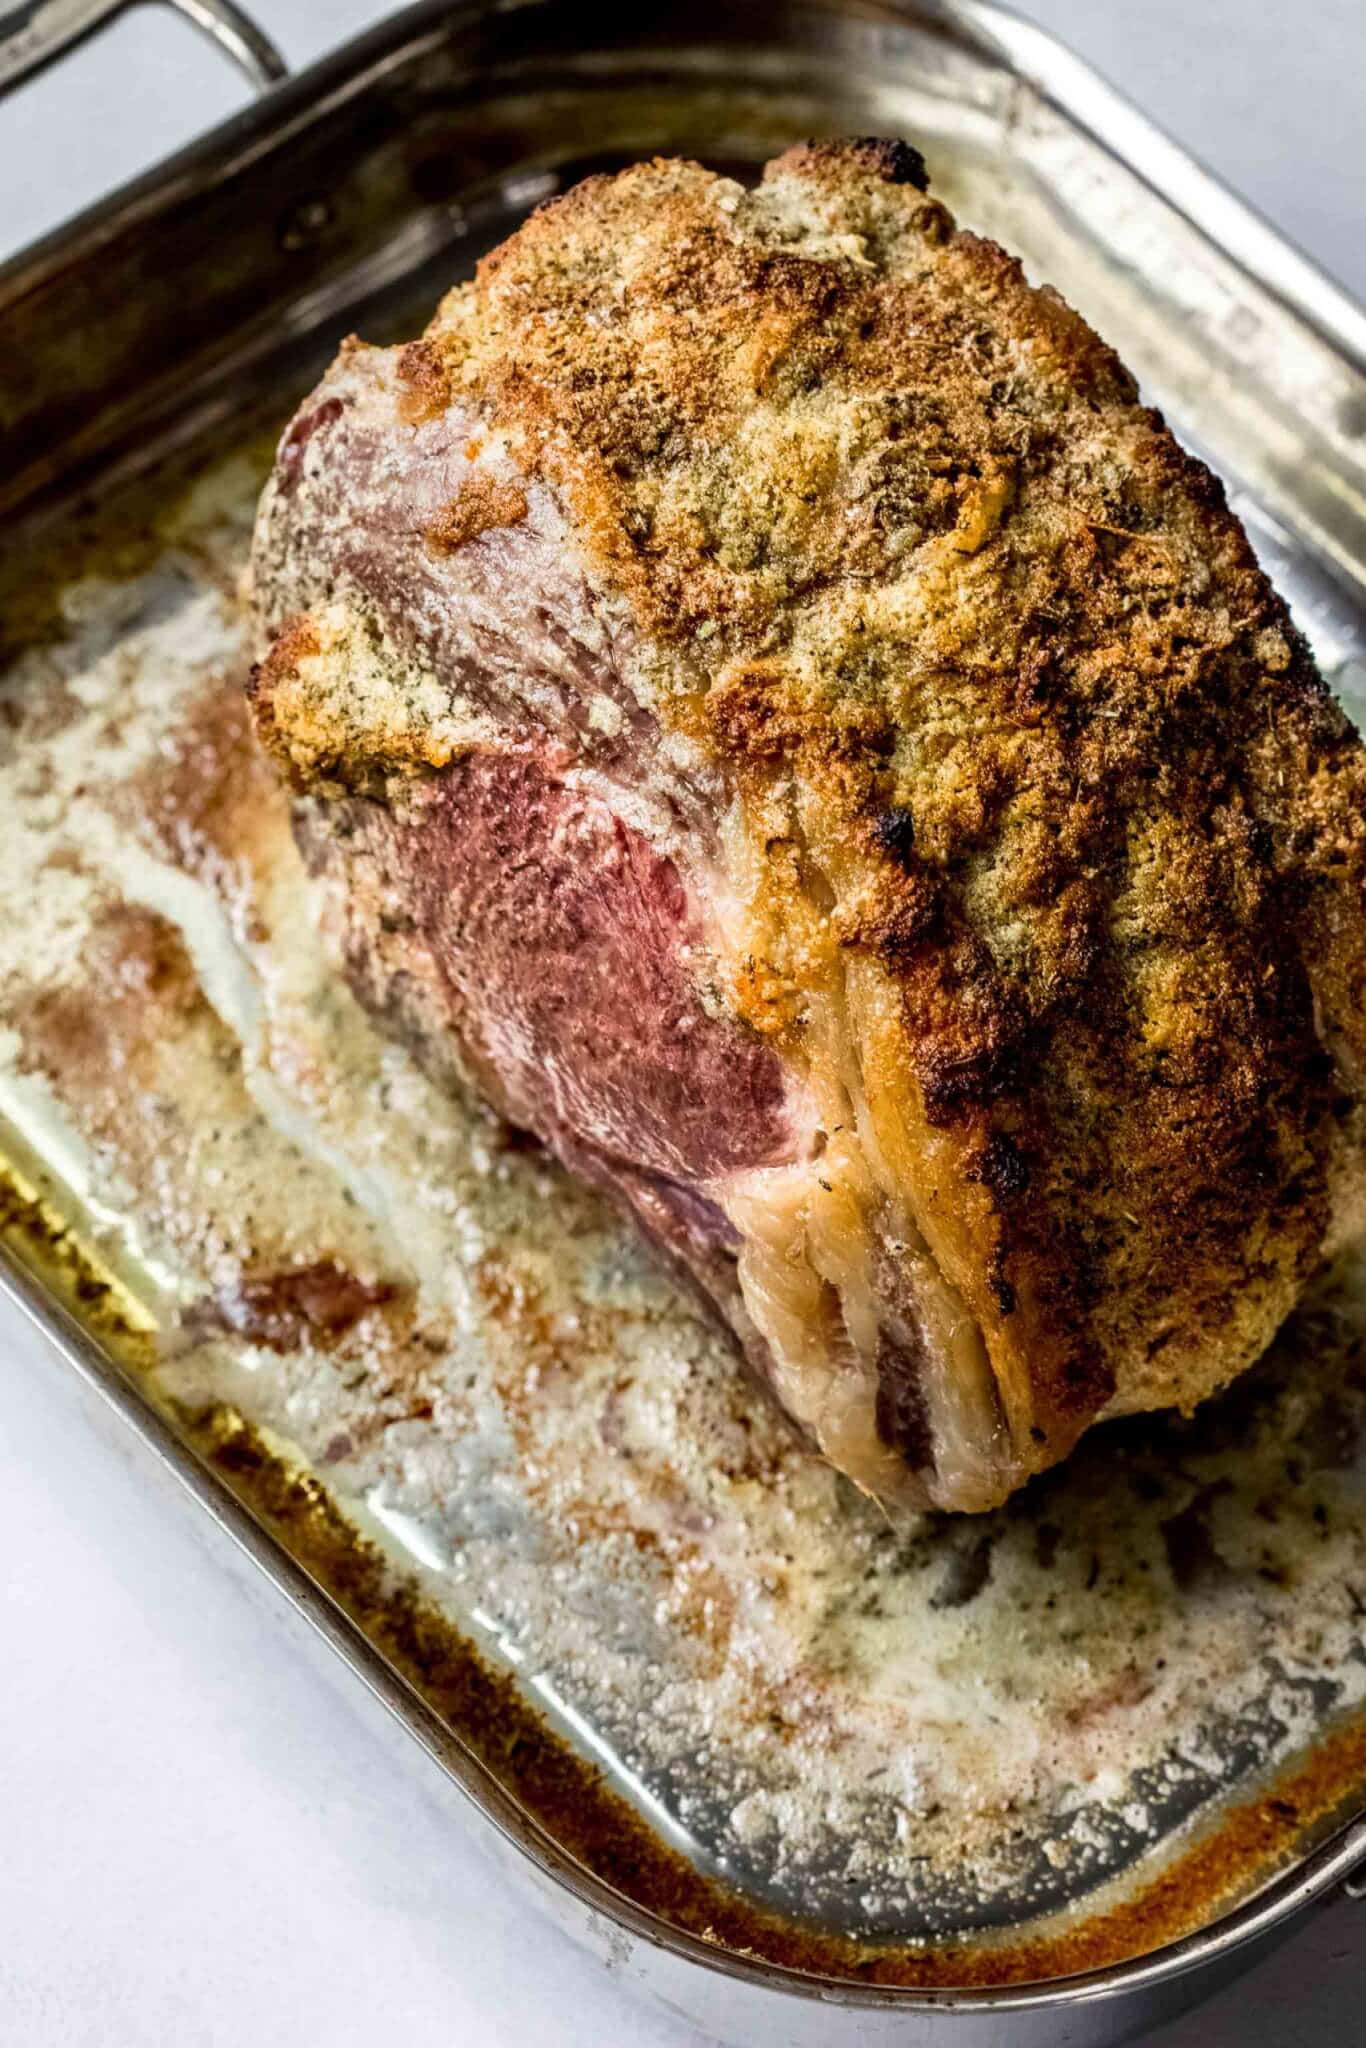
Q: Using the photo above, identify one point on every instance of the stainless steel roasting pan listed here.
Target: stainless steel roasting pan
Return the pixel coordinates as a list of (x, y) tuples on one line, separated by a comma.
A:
[(799, 1777)]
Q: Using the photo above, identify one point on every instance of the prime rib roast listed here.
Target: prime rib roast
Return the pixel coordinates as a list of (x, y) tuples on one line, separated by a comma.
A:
[(774, 713)]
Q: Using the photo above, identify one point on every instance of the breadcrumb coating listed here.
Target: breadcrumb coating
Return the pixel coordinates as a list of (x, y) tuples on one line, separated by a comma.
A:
[(1056, 842), (909, 549)]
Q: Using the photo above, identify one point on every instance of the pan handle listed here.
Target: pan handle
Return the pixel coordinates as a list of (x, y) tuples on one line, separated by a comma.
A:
[(36, 31)]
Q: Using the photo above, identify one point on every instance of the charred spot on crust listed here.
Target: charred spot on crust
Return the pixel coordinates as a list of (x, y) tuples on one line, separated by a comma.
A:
[(885, 157), (902, 1417), (894, 832), (1006, 1299), (896, 162), (953, 1081), (1000, 1167), (1084, 1382)]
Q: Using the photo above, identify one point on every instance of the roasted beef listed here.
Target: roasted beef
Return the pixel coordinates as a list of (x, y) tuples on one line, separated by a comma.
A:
[(773, 711)]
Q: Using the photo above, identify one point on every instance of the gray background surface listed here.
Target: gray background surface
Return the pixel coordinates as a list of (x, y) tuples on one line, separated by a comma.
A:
[(200, 1840)]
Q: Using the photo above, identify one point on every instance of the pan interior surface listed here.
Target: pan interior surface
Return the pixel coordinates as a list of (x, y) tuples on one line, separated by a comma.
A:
[(976, 1736)]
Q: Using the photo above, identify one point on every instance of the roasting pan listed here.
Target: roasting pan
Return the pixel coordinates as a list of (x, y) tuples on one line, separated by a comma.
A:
[(1046, 1776)]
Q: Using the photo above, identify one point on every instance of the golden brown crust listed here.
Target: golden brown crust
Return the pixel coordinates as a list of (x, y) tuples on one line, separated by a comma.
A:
[(483, 502), (296, 642), (324, 706), (426, 390)]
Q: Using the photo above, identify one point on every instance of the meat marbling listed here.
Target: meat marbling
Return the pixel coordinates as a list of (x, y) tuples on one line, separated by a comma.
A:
[(775, 713)]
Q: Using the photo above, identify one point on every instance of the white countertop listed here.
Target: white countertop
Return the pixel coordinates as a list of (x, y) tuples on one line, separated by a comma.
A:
[(203, 1841)]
